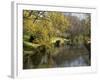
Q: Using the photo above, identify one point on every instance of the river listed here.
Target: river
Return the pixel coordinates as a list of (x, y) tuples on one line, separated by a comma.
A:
[(72, 57)]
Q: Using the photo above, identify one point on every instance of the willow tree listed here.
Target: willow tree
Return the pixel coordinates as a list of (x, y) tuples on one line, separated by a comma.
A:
[(44, 25), (60, 22)]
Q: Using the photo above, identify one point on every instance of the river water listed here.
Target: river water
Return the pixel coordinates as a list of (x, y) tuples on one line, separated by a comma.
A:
[(75, 62), (64, 56), (72, 57)]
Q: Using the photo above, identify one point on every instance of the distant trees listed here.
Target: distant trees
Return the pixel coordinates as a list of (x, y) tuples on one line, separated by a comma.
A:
[(86, 24)]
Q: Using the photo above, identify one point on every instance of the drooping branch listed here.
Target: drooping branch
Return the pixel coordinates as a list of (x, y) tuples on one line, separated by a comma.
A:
[(38, 16)]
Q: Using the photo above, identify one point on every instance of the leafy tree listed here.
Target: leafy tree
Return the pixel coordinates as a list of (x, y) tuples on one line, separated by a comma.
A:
[(44, 25)]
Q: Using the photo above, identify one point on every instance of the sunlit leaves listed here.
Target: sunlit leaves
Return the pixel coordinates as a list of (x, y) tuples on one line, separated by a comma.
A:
[(59, 21), (45, 25)]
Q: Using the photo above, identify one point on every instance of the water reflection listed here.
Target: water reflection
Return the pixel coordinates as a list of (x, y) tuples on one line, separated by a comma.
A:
[(72, 57), (64, 56), (71, 63)]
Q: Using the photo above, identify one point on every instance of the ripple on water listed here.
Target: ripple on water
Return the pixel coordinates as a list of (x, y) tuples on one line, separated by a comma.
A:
[(75, 62)]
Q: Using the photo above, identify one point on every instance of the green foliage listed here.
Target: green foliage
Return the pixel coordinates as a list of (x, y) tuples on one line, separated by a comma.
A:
[(59, 20), (46, 26)]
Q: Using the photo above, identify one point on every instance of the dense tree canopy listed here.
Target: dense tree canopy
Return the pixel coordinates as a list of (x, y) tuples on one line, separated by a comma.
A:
[(44, 25)]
